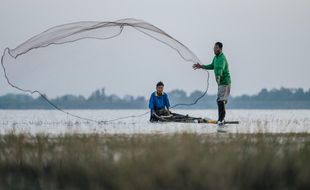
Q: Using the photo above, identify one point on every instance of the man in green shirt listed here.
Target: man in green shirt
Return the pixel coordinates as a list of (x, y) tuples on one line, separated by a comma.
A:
[(222, 76)]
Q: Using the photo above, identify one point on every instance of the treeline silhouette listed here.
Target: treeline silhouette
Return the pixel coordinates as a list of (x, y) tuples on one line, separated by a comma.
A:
[(283, 98)]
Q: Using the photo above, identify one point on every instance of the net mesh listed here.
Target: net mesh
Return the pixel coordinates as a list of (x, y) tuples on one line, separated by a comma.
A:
[(72, 32)]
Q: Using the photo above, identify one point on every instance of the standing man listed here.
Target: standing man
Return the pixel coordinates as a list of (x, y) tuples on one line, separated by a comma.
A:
[(222, 76)]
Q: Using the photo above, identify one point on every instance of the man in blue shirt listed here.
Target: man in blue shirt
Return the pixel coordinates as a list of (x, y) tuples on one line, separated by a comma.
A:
[(159, 101)]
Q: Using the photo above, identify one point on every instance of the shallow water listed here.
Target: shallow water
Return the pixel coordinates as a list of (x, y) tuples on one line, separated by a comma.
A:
[(54, 122)]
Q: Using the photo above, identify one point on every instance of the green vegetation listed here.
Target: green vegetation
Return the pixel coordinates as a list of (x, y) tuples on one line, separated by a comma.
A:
[(179, 161), (283, 98)]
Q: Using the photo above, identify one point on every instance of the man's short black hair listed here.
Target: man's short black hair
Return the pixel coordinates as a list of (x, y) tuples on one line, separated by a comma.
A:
[(219, 44), (159, 84)]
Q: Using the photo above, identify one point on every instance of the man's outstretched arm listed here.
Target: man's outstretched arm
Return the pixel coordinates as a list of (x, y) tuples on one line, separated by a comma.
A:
[(200, 66)]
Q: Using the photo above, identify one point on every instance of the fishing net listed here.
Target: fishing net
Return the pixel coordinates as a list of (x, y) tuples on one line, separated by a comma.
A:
[(28, 65)]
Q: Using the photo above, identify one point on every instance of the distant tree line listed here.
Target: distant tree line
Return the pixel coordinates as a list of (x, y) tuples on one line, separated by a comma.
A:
[(283, 98)]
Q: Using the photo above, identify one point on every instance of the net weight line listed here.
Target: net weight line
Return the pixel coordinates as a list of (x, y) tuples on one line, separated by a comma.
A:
[(88, 119)]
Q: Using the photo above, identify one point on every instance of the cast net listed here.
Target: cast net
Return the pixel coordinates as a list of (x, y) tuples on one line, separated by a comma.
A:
[(38, 67)]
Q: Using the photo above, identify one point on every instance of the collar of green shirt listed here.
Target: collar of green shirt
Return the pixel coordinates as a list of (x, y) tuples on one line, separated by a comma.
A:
[(219, 54)]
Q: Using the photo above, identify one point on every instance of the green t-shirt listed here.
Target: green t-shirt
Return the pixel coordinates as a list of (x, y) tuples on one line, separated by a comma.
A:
[(220, 67)]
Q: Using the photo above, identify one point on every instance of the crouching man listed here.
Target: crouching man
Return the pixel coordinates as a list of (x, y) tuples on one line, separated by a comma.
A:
[(159, 102)]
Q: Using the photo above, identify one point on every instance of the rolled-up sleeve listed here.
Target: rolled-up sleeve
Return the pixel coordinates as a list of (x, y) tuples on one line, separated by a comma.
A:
[(167, 102)]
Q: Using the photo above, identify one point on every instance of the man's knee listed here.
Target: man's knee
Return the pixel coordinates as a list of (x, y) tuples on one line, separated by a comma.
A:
[(224, 101)]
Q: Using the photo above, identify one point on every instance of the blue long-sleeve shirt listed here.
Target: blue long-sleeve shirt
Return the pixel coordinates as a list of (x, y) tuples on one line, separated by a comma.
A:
[(159, 102)]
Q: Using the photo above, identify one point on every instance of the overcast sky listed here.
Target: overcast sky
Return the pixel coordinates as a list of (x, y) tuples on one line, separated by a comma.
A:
[(266, 42)]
